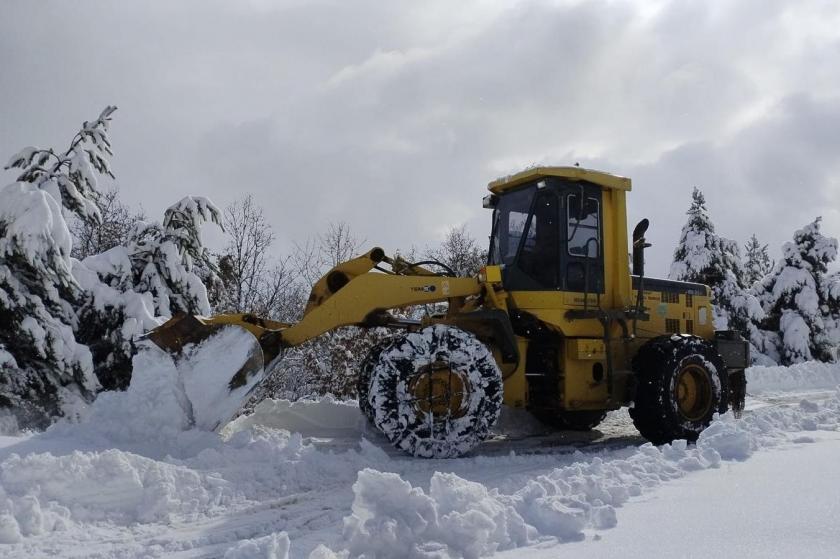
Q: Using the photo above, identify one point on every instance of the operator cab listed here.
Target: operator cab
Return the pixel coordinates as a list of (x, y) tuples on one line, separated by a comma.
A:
[(548, 228)]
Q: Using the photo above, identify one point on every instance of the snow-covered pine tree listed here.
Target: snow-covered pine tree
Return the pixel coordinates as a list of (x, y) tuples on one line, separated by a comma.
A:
[(735, 307), (133, 288), (44, 372), (70, 177), (166, 258), (112, 314), (831, 314), (801, 301), (698, 255), (757, 261), (704, 257)]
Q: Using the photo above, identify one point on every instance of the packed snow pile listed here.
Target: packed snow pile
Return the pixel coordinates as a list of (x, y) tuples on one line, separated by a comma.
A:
[(272, 546), (115, 486), (323, 417), (457, 517), (152, 417)]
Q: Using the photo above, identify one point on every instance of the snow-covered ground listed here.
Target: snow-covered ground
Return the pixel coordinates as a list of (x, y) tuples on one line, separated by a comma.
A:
[(311, 479)]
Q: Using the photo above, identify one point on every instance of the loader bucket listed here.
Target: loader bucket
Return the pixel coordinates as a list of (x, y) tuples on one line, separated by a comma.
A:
[(219, 375), (183, 330)]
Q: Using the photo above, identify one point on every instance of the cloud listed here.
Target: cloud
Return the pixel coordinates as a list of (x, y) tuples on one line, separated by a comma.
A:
[(769, 178), (393, 117)]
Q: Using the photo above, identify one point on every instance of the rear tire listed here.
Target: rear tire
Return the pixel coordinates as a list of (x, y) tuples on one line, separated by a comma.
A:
[(682, 384), (436, 393)]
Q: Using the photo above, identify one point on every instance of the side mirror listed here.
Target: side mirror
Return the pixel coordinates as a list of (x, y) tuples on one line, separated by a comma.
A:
[(581, 209)]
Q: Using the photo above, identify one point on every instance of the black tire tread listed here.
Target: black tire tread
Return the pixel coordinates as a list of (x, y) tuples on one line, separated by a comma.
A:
[(414, 433), (363, 380), (653, 411)]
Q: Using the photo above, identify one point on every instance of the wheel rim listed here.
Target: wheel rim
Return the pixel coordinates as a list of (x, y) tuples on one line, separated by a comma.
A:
[(438, 391), (693, 392)]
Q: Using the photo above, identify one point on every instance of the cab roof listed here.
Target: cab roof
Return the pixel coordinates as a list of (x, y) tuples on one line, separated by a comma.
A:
[(600, 178)]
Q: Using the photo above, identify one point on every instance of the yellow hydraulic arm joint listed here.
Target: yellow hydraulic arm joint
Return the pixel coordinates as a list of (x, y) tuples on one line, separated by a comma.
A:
[(343, 273)]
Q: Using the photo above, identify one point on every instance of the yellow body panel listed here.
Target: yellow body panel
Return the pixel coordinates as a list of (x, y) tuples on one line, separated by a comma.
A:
[(615, 255), (586, 349), (579, 389), (688, 315), (516, 385), (681, 314), (491, 274)]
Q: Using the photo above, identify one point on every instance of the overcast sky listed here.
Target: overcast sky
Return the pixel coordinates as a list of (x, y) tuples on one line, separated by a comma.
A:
[(393, 116)]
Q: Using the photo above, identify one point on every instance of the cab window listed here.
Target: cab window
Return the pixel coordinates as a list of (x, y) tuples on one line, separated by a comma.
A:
[(583, 226), (511, 219), (541, 249)]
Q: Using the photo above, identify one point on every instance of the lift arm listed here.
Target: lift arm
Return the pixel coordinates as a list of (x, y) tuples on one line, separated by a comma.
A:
[(352, 293)]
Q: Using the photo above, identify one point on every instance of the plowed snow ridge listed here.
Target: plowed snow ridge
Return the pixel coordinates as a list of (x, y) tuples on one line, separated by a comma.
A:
[(803, 376), (136, 480)]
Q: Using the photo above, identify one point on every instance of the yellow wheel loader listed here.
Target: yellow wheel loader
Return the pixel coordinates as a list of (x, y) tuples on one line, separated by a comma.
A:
[(555, 323)]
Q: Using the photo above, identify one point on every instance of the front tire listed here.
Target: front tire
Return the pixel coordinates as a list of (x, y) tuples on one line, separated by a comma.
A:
[(363, 381), (436, 393), (683, 383)]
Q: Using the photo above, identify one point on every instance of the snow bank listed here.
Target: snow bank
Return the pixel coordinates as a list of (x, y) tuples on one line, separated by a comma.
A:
[(157, 466), (461, 518), (153, 417), (267, 463), (169, 409), (116, 486), (458, 517), (44, 492), (803, 376), (303, 472)]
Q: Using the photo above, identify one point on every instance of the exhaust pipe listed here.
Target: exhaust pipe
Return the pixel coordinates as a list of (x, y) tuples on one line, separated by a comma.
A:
[(639, 246)]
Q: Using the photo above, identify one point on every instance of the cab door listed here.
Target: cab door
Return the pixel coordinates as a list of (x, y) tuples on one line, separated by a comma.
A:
[(535, 262), (582, 257)]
